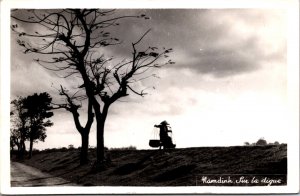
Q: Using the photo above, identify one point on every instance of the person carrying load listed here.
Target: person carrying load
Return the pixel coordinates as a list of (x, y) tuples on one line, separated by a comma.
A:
[(165, 139)]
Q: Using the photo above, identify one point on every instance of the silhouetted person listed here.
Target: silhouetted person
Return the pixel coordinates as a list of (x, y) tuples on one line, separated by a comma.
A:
[(163, 134)]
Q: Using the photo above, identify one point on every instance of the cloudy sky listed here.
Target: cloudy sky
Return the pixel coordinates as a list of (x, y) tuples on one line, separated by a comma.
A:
[(228, 86)]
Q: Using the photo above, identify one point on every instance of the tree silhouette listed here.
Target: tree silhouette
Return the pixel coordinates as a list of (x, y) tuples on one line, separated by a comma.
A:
[(70, 40), (18, 130), (71, 106), (37, 107), (15, 140)]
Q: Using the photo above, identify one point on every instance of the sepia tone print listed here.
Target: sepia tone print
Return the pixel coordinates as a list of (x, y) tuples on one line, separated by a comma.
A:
[(148, 97)]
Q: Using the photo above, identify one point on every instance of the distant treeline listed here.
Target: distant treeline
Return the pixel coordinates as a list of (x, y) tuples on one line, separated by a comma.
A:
[(71, 147), (261, 142)]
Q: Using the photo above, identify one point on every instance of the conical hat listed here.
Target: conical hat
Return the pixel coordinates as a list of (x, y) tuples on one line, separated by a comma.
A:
[(164, 123)]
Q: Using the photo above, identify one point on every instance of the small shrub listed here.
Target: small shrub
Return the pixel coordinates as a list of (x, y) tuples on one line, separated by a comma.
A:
[(261, 142), (63, 149), (71, 147), (35, 150), (50, 150), (276, 143), (124, 148)]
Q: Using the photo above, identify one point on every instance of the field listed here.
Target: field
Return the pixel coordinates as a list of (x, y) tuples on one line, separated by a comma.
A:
[(201, 166)]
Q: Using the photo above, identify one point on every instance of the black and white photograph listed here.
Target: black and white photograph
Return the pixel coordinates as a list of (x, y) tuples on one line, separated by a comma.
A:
[(119, 99)]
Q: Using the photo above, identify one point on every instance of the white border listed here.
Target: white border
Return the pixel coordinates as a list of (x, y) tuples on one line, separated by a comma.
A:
[(292, 7)]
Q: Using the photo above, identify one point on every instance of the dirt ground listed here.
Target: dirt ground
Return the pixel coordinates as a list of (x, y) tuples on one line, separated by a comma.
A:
[(26, 176), (202, 166)]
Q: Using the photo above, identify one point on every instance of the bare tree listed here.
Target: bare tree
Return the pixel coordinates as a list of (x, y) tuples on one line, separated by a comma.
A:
[(71, 106), (69, 41)]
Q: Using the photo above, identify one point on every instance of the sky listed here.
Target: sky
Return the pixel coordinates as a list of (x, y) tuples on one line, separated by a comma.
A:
[(228, 86)]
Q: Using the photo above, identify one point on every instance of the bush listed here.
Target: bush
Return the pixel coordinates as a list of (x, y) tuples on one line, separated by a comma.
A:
[(71, 147), (63, 149), (35, 150), (276, 143), (261, 142), (50, 150), (124, 148)]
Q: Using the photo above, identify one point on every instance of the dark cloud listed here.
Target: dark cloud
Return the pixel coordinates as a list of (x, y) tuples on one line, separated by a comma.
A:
[(220, 43), (205, 40), (217, 42), (227, 61)]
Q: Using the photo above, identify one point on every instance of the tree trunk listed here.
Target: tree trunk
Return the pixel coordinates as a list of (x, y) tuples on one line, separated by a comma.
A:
[(19, 147), (100, 120), (22, 149), (30, 148), (84, 148), (100, 140)]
